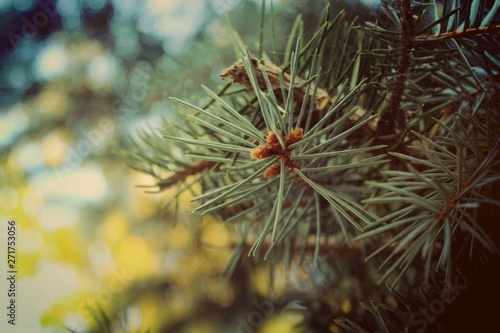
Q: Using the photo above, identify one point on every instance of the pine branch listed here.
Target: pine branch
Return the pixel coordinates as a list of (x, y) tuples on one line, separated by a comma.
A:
[(181, 175), (430, 205), (462, 33), (392, 114), (293, 154)]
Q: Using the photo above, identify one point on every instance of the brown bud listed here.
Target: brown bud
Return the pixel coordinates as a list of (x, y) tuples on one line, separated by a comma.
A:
[(273, 142), (272, 171), (260, 152), (294, 136)]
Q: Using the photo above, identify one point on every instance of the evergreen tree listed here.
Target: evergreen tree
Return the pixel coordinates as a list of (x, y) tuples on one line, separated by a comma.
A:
[(361, 158)]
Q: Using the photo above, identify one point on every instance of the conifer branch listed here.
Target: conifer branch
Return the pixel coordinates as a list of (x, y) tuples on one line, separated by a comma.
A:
[(392, 115), (462, 33), (181, 175), (294, 156)]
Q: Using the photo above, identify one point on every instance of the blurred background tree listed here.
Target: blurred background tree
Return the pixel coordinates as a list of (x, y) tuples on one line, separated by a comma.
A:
[(81, 78)]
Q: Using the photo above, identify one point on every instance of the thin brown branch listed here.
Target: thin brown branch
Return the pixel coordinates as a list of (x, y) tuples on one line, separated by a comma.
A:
[(181, 175), (448, 208), (388, 120), (462, 33)]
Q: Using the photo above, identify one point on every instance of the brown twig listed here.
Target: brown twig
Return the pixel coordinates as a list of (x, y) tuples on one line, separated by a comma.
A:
[(181, 175), (447, 209), (388, 120), (462, 33)]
